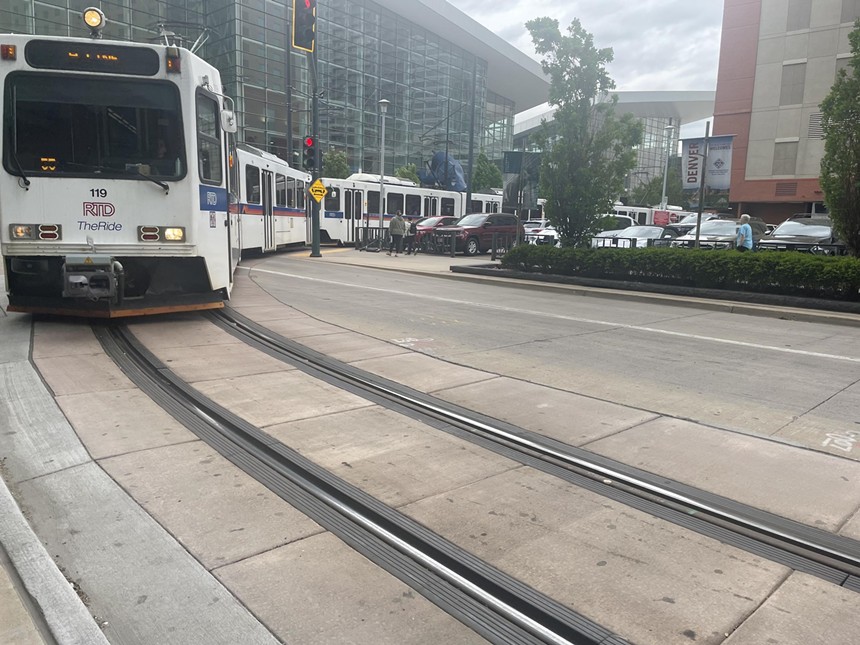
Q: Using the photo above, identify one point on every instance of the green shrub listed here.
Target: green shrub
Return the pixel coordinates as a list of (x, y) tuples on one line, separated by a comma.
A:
[(786, 273)]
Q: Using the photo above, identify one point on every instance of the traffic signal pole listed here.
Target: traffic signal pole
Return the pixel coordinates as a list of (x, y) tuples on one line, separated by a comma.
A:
[(315, 107), (304, 38)]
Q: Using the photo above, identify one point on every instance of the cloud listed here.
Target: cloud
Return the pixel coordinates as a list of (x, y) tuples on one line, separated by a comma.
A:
[(657, 44)]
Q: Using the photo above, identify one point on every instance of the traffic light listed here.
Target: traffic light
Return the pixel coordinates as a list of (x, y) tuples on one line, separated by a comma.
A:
[(304, 24), (309, 158)]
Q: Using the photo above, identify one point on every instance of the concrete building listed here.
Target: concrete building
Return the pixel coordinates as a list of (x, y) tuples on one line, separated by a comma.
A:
[(452, 84), (778, 60), (661, 114)]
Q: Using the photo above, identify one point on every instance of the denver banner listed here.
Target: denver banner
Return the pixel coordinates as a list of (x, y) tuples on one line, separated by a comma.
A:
[(716, 170)]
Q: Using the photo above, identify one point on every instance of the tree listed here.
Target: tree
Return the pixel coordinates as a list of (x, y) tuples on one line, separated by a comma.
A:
[(587, 149), (409, 171), (840, 165), (486, 175), (335, 165), (651, 192)]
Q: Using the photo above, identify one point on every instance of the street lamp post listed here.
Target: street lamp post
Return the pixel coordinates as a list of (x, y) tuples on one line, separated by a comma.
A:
[(383, 108), (670, 131)]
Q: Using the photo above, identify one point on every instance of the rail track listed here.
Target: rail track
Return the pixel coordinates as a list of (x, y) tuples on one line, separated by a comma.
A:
[(499, 607)]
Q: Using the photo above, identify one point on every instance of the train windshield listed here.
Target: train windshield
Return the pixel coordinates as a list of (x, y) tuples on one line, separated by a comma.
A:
[(92, 127)]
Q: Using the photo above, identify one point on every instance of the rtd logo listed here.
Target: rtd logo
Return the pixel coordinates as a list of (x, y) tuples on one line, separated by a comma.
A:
[(99, 209), (211, 198)]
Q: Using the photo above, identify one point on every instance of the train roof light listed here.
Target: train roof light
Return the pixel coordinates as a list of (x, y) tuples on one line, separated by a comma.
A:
[(8, 52), (172, 60), (94, 18)]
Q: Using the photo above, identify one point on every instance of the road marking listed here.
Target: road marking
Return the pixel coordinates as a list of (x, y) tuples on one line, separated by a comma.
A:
[(589, 321)]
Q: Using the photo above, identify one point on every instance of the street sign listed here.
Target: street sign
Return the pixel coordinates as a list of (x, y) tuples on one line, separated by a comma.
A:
[(317, 190)]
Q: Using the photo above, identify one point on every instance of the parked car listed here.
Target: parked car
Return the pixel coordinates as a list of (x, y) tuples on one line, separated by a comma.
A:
[(614, 223), (634, 237), (720, 234), (546, 235), (473, 233), (430, 224), (688, 222), (535, 224), (810, 234)]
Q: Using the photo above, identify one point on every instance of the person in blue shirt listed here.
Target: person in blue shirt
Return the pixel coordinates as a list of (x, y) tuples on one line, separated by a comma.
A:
[(744, 240)]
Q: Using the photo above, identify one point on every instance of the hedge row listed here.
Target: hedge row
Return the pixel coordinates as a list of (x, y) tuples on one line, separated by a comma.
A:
[(777, 272)]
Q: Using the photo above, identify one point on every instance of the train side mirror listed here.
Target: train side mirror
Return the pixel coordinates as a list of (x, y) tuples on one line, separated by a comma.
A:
[(228, 121)]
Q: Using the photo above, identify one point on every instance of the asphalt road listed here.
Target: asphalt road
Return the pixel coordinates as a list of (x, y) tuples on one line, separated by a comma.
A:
[(792, 380)]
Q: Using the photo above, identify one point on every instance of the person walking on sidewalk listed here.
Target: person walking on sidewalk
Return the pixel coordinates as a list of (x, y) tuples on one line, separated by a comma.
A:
[(397, 229), (410, 236)]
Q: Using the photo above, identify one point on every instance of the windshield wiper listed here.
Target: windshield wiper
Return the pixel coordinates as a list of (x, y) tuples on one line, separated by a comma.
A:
[(129, 168), (20, 170), (135, 168)]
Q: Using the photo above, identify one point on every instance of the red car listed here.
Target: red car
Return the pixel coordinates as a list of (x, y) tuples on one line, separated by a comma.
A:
[(474, 233), (429, 224)]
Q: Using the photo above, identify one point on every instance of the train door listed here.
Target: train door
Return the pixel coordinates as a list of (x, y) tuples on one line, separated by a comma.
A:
[(269, 242), (353, 206), (431, 206)]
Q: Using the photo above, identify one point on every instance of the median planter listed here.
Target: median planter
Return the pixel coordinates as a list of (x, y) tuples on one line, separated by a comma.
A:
[(767, 272)]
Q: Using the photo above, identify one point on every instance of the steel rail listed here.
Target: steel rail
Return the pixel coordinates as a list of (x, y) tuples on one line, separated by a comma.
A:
[(840, 555), (541, 619)]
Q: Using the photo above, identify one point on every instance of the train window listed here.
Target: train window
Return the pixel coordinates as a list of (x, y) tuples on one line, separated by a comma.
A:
[(208, 140), (89, 127), (252, 184), (447, 206), (476, 206), (300, 194), (393, 203), (291, 192), (413, 205), (233, 168), (332, 200), (280, 190), (373, 202)]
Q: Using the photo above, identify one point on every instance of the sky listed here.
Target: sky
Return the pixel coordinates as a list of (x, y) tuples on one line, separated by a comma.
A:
[(657, 44)]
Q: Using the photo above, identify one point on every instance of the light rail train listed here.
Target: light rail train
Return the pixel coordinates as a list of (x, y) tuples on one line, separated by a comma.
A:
[(122, 191), (352, 204)]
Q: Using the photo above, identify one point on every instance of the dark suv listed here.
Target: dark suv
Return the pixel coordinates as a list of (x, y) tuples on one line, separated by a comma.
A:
[(809, 233), (474, 232)]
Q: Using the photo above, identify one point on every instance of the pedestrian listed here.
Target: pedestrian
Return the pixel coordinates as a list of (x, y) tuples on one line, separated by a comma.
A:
[(410, 236), (744, 240), (396, 228)]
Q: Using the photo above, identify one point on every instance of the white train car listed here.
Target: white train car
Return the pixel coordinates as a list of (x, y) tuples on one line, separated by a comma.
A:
[(272, 201), (353, 204), (114, 185)]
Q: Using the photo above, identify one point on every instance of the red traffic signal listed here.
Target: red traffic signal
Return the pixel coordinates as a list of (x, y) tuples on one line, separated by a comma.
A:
[(304, 24), (309, 158)]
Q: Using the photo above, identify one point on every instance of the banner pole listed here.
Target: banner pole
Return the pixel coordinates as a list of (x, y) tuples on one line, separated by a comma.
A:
[(702, 176)]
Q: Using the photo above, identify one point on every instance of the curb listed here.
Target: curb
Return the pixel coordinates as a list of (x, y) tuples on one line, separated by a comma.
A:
[(61, 610), (758, 304)]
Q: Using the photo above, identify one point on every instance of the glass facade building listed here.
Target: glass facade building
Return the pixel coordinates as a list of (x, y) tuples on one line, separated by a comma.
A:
[(440, 98)]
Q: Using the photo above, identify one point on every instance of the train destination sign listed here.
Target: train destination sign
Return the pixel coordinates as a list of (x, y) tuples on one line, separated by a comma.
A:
[(92, 57), (317, 190)]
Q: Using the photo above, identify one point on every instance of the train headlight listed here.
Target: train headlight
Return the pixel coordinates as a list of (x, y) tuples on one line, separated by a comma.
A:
[(94, 18), (174, 234), (22, 231), (36, 231)]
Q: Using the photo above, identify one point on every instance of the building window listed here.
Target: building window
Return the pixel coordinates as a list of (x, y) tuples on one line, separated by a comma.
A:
[(793, 77), (785, 158), (798, 14)]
